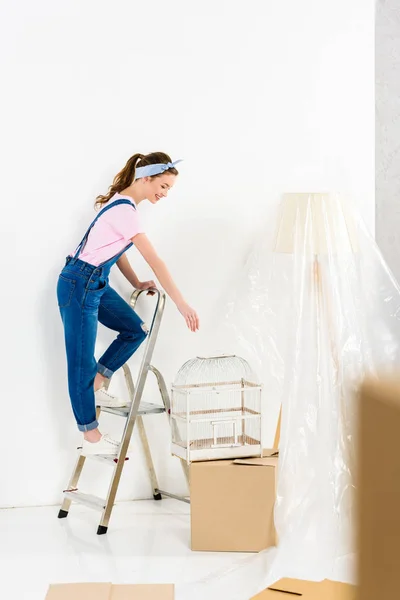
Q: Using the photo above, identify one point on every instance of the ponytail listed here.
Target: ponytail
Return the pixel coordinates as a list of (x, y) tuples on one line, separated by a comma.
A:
[(121, 181)]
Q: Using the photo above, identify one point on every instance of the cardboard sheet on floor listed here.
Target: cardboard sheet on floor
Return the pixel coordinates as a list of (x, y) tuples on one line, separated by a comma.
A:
[(142, 592), (291, 589), (107, 591)]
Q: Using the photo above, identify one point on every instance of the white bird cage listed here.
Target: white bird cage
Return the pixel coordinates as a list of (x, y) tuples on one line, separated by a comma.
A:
[(216, 410)]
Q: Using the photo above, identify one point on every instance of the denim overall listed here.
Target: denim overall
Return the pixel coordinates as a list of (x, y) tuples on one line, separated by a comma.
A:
[(84, 298)]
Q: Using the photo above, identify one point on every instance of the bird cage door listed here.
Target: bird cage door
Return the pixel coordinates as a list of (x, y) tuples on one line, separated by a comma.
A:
[(222, 430)]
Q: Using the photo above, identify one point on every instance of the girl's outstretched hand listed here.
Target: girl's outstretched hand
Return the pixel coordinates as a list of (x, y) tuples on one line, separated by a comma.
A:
[(190, 316)]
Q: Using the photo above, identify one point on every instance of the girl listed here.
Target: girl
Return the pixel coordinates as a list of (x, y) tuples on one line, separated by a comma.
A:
[(85, 297)]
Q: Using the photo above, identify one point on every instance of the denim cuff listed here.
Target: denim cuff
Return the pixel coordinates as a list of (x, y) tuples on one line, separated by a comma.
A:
[(104, 371), (89, 427)]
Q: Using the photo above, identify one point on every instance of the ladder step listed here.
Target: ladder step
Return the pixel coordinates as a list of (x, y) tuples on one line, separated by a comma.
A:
[(86, 499), (104, 458), (145, 408)]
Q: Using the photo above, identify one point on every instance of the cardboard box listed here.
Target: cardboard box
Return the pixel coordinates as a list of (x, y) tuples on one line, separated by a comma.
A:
[(107, 591), (379, 490), (291, 589), (232, 504)]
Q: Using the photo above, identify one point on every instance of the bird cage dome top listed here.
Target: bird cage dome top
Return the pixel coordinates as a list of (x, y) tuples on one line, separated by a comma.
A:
[(213, 370)]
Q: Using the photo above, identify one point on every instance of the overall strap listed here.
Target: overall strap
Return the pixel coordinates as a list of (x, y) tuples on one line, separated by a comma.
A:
[(111, 261), (103, 210)]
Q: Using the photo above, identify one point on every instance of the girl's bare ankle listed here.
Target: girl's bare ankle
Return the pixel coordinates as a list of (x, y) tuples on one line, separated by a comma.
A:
[(99, 382), (92, 436)]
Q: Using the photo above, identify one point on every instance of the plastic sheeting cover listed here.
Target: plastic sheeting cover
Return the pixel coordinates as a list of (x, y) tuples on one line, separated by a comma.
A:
[(314, 309)]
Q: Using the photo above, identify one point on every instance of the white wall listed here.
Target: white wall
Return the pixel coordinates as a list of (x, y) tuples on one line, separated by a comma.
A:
[(258, 98), (387, 77)]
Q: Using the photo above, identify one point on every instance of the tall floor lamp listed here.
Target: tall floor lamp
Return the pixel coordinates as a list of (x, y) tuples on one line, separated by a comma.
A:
[(313, 226)]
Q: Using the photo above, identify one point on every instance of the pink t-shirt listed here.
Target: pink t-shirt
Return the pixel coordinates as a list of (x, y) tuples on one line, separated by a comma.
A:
[(112, 232)]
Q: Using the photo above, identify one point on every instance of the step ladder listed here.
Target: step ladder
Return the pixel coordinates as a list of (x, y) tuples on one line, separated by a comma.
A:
[(133, 416)]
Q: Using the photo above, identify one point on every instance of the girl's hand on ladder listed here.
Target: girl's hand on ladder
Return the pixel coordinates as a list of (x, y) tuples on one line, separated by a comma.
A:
[(145, 285), (190, 316)]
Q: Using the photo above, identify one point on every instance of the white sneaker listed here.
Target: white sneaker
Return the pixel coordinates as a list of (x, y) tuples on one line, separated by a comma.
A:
[(104, 398), (105, 445)]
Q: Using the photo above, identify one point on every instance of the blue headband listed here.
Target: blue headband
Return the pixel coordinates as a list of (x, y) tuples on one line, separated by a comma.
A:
[(157, 169)]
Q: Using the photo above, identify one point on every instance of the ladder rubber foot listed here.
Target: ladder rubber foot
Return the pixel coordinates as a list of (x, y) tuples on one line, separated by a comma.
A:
[(62, 514), (101, 530), (157, 496)]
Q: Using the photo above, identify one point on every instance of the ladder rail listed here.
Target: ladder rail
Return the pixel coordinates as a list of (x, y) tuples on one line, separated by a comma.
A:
[(130, 422), (142, 434), (157, 493), (73, 482), (167, 403), (149, 458)]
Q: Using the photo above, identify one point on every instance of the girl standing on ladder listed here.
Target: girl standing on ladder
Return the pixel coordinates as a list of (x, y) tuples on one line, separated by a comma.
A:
[(85, 297)]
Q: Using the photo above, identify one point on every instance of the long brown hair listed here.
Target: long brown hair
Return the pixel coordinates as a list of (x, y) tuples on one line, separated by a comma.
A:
[(127, 175)]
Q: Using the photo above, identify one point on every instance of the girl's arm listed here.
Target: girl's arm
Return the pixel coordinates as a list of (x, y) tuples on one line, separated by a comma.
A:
[(125, 267), (160, 270)]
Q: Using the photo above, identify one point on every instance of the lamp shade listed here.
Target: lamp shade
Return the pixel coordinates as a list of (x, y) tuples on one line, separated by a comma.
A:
[(318, 223)]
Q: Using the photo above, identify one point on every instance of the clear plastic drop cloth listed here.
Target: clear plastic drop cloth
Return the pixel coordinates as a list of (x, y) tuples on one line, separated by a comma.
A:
[(314, 309)]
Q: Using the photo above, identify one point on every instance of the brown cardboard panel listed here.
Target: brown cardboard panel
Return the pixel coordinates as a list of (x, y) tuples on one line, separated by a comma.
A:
[(379, 490), (291, 589), (142, 592), (79, 591), (232, 506)]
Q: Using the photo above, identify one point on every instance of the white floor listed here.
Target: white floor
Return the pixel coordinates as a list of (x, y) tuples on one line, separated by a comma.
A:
[(147, 542)]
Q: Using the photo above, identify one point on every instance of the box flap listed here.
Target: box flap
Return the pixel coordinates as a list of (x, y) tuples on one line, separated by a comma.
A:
[(228, 462), (142, 592), (258, 462), (270, 452), (211, 464), (79, 591), (296, 589), (268, 459)]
